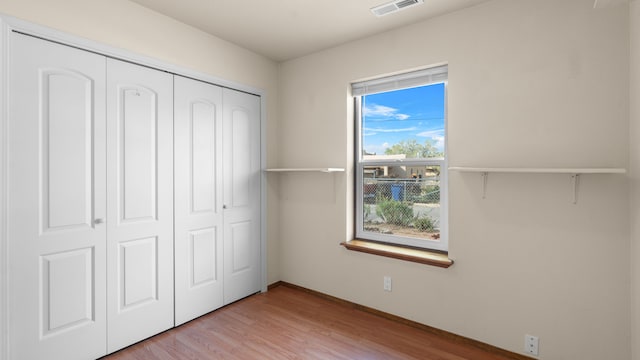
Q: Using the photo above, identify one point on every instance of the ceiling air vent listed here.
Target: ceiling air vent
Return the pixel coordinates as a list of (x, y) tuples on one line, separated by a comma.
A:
[(394, 6)]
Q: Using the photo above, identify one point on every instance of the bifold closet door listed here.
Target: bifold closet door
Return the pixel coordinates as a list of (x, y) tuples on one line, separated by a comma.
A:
[(241, 169), (139, 202), (198, 198), (56, 205)]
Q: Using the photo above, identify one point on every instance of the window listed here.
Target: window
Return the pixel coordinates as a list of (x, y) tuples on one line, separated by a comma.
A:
[(401, 161)]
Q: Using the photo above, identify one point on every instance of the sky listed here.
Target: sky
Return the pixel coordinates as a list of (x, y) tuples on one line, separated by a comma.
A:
[(415, 113)]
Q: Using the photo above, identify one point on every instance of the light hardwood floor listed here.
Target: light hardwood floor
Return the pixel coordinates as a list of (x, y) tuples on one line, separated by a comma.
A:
[(290, 323)]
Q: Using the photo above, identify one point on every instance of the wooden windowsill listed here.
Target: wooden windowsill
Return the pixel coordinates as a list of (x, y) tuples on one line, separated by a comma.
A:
[(422, 256)]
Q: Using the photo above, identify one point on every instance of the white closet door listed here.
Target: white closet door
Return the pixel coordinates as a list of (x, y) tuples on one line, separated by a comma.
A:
[(140, 202), (198, 198), (241, 127), (56, 180)]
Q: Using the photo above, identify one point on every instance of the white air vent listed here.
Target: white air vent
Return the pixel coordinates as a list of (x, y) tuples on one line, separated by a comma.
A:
[(394, 6)]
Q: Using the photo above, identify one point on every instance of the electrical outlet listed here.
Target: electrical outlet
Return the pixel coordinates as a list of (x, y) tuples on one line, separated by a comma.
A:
[(531, 344), (387, 283)]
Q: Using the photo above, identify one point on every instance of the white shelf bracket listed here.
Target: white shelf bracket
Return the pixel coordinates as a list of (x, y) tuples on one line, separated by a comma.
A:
[(485, 178), (575, 181)]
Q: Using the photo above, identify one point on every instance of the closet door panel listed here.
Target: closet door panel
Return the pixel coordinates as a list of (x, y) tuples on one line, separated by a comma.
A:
[(67, 139), (241, 194), (202, 147), (138, 153), (198, 198), (240, 245), (56, 187), (140, 202), (67, 281), (240, 164), (139, 286)]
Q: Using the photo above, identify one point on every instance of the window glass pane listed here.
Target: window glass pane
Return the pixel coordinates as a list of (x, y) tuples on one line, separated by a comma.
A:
[(404, 124), (402, 201)]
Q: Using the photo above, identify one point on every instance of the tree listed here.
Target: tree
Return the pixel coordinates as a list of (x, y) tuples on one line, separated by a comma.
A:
[(412, 149)]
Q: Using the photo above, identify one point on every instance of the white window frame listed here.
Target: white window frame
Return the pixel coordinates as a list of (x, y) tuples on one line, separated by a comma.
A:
[(430, 76)]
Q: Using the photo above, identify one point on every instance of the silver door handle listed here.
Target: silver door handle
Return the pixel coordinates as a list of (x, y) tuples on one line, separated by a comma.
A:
[(98, 221)]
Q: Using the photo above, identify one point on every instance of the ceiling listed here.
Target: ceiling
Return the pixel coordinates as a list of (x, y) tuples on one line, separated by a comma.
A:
[(286, 29)]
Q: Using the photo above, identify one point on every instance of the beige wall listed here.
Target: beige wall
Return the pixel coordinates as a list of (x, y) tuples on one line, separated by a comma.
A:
[(531, 84), (634, 175), (126, 25)]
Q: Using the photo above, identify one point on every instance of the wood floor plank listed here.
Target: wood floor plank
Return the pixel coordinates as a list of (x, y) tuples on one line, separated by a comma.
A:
[(287, 323)]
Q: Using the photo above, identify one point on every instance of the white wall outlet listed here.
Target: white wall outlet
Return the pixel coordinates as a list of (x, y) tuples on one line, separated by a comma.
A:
[(387, 283), (531, 344)]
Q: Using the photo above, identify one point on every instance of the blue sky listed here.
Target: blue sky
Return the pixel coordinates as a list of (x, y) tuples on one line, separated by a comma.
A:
[(415, 113)]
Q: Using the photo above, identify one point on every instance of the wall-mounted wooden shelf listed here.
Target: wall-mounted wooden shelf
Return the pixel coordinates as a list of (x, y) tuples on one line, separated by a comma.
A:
[(574, 172), (540, 170), (321, 170)]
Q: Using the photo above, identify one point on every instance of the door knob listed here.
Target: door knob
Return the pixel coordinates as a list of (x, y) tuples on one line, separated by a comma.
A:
[(224, 206), (98, 221)]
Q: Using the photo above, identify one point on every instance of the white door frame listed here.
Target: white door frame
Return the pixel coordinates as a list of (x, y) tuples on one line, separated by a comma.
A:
[(9, 24), (4, 258)]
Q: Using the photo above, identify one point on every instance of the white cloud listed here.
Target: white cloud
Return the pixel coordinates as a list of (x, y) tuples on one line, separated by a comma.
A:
[(375, 110), (377, 149), (432, 133), (439, 142), (436, 136), (378, 110), (391, 130)]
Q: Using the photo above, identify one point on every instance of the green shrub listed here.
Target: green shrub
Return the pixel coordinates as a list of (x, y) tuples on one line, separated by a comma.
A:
[(424, 224), (367, 211), (430, 188), (431, 194), (395, 212)]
